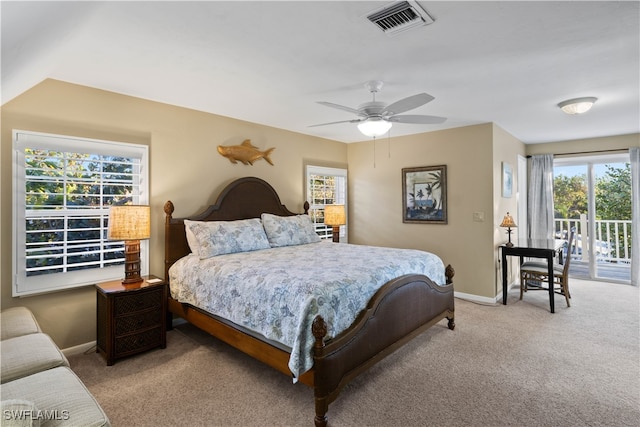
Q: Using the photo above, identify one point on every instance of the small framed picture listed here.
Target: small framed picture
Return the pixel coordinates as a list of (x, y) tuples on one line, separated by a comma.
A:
[(507, 180), (424, 194)]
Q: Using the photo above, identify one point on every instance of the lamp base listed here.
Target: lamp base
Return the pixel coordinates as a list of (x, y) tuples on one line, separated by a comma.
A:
[(132, 281), (509, 244), (336, 234), (132, 262)]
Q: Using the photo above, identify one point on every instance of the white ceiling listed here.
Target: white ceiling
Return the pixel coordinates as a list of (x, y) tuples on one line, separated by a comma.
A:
[(269, 62)]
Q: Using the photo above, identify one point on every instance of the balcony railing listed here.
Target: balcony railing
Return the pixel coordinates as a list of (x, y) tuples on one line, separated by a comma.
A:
[(612, 239)]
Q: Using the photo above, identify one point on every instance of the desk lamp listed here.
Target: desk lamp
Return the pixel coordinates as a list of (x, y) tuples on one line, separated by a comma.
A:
[(508, 223)]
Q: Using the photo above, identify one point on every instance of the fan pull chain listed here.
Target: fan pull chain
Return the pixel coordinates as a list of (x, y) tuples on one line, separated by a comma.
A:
[(374, 152)]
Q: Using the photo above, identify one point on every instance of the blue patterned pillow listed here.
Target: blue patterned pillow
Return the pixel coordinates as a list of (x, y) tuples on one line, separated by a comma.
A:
[(289, 230), (227, 237)]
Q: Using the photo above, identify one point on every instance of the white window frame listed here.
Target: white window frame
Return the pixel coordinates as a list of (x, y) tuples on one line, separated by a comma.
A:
[(24, 285), (324, 231)]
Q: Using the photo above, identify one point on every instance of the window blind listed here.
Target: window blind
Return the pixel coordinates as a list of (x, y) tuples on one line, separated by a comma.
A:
[(64, 188), (325, 186)]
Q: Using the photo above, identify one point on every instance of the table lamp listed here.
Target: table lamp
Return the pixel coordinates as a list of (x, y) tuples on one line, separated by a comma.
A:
[(334, 216), (131, 224), (508, 223)]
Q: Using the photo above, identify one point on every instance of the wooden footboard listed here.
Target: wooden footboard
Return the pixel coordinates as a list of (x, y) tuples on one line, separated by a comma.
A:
[(399, 311)]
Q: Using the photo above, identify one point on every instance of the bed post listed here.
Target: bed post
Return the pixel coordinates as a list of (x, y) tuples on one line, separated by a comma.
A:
[(449, 272), (168, 211), (319, 330)]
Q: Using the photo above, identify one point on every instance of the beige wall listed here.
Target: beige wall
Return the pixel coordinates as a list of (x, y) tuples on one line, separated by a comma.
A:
[(184, 167)]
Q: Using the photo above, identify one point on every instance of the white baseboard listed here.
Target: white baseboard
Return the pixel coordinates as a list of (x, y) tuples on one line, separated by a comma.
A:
[(79, 349), (483, 300), (477, 298)]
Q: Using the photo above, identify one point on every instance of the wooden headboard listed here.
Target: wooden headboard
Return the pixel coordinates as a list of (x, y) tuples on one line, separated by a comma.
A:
[(244, 198)]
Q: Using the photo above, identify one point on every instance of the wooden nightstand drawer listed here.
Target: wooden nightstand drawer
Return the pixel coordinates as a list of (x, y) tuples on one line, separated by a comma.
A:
[(138, 342), (130, 319), (138, 322), (126, 304)]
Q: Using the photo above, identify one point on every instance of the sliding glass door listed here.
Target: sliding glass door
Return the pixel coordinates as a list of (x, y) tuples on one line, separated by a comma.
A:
[(592, 196)]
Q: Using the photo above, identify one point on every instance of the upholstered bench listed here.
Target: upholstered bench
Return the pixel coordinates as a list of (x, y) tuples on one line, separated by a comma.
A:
[(58, 397), (16, 322), (37, 386), (28, 354)]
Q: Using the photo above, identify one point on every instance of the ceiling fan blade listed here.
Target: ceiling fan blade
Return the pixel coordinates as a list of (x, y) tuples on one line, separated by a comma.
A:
[(422, 120), (333, 123), (340, 107), (407, 104)]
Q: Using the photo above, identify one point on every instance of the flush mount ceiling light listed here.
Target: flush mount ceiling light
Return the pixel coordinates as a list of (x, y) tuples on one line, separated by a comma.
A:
[(577, 105), (374, 126)]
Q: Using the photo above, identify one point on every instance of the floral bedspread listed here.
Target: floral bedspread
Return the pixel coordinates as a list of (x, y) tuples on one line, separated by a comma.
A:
[(277, 292)]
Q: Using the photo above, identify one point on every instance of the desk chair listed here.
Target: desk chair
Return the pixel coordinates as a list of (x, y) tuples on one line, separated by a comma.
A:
[(534, 273)]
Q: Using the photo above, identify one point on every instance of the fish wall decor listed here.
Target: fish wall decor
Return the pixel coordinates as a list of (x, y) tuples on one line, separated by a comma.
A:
[(246, 153)]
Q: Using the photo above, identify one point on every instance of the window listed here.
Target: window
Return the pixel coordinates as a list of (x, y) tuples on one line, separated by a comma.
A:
[(63, 188), (326, 186)]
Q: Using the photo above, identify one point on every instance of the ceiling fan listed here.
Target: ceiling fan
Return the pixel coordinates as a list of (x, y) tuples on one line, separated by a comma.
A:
[(376, 118)]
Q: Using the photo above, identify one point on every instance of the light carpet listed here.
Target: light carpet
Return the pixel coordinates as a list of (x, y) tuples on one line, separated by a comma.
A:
[(513, 365)]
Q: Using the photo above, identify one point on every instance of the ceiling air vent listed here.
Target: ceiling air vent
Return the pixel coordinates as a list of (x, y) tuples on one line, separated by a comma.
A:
[(399, 16)]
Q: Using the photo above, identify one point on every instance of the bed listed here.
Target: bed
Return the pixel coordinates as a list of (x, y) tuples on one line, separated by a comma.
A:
[(391, 315)]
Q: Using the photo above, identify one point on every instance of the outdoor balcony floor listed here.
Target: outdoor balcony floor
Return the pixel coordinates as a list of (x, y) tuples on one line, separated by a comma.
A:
[(605, 271)]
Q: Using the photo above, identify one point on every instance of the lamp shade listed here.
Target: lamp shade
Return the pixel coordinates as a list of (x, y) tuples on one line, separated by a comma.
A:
[(508, 221), (577, 105), (129, 222), (374, 126), (334, 215)]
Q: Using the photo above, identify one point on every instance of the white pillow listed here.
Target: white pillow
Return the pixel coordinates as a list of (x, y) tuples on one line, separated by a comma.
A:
[(191, 238), (227, 237), (289, 230)]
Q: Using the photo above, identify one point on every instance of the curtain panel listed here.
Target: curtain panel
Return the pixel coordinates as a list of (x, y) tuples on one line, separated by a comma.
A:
[(540, 197), (634, 154)]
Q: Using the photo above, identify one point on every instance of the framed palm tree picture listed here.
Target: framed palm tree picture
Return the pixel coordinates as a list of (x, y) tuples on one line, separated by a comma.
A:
[(424, 194)]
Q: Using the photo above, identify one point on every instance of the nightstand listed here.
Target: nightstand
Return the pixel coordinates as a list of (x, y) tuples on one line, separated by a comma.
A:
[(130, 318)]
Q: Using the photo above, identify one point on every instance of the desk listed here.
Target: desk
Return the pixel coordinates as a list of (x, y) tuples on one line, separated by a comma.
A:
[(531, 248)]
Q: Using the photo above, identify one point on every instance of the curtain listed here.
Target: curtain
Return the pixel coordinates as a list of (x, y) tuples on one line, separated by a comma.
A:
[(634, 154), (540, 197)]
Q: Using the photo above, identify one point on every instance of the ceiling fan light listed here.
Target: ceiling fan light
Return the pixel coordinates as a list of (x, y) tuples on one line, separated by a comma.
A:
[(577, 105), (374, 127)]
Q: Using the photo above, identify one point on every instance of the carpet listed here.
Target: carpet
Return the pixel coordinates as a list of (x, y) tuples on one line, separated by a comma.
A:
[(513, 365)]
